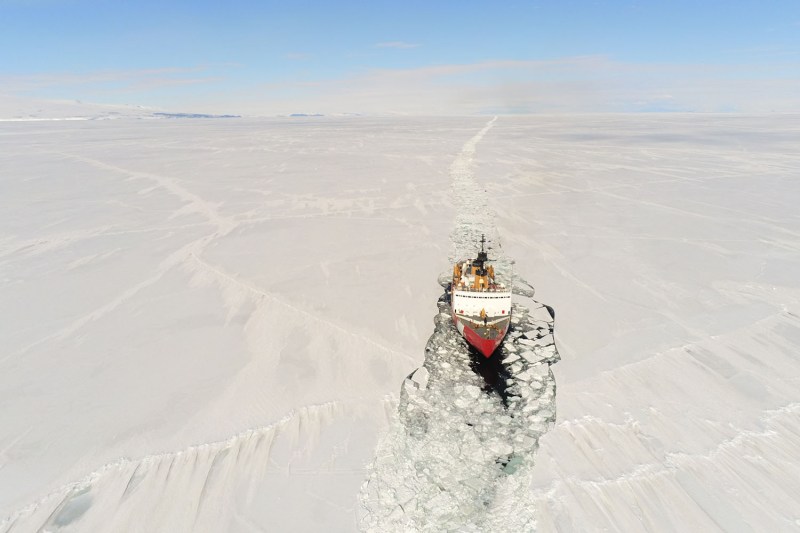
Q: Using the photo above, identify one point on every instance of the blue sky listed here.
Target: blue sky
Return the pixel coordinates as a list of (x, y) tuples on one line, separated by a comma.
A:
[(406, 57)]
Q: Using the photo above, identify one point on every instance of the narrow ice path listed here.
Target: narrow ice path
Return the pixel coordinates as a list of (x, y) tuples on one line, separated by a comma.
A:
[(474, 217)]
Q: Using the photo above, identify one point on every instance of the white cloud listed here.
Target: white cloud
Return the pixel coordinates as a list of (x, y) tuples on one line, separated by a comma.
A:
[(573, 84), (298, 56), (111, 80), (396, 44), (566, 85)]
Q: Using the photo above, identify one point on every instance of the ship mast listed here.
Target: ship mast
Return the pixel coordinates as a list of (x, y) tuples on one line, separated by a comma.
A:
[(483, 256)]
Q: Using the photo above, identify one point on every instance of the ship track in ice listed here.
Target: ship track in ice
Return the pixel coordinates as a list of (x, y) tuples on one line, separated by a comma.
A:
[(462, 448)]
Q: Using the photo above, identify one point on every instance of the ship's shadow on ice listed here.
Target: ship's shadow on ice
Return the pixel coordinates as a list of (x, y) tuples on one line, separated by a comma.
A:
[(492, 371)]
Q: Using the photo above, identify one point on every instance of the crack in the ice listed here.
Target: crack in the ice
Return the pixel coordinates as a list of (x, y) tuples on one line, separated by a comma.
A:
[(224, 279), (196, 203), (181, 255)]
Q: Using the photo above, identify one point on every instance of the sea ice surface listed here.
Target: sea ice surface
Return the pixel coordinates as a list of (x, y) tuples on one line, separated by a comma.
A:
[(205, 322)]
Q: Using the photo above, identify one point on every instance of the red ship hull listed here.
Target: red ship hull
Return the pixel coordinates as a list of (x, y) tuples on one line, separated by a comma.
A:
[(483, 344)]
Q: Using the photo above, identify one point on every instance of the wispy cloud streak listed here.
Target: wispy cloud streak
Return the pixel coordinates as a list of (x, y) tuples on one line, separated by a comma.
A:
[(572, 84), (577, 84), (110, 80), (397, 44)]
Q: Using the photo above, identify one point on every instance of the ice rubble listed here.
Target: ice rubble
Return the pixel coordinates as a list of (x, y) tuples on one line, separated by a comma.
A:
[(460, 453)]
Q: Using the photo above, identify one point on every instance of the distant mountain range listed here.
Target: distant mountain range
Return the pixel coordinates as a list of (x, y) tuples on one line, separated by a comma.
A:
[(193, 115), (14, 108)]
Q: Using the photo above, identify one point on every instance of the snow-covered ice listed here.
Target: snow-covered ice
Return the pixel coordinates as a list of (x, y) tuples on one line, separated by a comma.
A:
[(233, 304), (669, 247)]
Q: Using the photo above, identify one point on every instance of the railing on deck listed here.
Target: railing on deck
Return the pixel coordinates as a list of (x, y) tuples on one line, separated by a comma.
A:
[(467, 288)]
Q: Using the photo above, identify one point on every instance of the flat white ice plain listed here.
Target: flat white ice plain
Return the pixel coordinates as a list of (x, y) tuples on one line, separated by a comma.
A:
[(205, 322)]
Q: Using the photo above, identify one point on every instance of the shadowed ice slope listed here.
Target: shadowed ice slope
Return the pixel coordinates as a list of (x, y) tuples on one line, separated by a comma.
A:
[(209, 487)]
